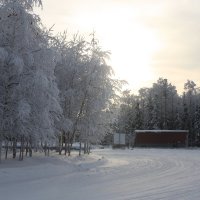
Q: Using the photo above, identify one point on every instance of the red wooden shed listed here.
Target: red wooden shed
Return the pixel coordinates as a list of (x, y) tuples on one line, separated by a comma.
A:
[(161, 138)]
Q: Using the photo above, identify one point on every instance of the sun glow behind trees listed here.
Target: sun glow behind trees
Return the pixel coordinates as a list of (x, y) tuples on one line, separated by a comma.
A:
[(162, 35), (133, 57), (132, 44)]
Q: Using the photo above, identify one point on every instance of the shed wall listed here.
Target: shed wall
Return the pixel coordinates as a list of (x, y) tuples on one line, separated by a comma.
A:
[(162, 139)]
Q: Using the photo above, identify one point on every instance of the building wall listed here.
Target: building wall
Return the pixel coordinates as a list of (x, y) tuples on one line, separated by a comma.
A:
[(161, 139)]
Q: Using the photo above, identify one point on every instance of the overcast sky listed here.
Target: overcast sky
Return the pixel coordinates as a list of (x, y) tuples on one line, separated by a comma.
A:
[(148, 39)]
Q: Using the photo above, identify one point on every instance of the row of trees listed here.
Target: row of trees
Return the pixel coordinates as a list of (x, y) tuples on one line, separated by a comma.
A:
[(161, 107), (52, 90)]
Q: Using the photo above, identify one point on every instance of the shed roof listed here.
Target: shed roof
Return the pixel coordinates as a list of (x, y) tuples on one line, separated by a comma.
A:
[(161, 131)]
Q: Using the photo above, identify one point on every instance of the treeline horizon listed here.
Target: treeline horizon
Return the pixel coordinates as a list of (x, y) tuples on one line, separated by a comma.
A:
[(161, 107)]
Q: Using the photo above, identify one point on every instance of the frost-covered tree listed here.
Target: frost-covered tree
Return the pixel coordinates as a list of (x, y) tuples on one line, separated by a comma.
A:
[(126, 121), (164, 99), (191, 104), (86, 86), (29, 94), (69, 71), (152, 108), (197, 123)]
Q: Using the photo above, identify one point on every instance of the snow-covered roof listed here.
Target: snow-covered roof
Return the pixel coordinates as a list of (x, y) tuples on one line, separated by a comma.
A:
[(161, 131)]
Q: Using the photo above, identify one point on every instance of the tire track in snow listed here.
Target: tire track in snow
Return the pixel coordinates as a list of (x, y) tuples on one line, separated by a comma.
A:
[(140, 174), (156, 174)]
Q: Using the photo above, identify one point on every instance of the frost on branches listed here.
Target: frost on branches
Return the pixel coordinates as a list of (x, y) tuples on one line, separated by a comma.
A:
[(29, 95), (86, 89), (53, 91)]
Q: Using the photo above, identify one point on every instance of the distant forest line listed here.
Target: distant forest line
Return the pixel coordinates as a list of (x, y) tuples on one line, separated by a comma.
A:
[(161, 107)]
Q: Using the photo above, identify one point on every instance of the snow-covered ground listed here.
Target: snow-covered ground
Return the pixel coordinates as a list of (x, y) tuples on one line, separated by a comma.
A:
[(106, 174)]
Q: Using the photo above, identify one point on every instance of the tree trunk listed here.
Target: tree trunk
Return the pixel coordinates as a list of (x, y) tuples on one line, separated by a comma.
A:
[(30, 148), (22, 147), (21, 154), (48, 149), (14, 148), (88, 148), (45, 148), (80, 149), (6, 148), (68, 141), (85, 148), (60, 145), (0, 147), (30, 152), (27, 148), (65, 143)]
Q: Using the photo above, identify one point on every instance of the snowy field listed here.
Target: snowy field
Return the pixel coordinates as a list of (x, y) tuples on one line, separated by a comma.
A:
[(142, 174)]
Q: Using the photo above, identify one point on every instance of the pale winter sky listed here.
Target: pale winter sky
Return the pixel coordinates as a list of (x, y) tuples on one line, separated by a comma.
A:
[(148, 39)]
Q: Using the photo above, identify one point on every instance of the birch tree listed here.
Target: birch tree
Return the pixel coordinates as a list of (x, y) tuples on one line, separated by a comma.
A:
[(86, 86), (29, 103)]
